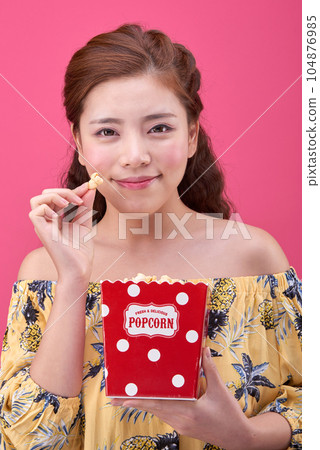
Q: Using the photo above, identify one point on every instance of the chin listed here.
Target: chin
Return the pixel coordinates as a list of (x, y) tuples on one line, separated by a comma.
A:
[(139, 209)]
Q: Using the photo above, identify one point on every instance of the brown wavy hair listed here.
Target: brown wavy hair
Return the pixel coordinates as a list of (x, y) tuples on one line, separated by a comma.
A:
[(131, 51)]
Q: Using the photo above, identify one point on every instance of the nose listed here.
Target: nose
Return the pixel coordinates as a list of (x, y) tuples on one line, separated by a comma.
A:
[(134, 152)]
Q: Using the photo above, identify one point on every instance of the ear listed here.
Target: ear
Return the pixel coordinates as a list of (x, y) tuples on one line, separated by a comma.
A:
[(193, 138), (77, 140)]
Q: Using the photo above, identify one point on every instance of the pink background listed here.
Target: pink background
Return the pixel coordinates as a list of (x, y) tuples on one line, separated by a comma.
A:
[(249, 53)]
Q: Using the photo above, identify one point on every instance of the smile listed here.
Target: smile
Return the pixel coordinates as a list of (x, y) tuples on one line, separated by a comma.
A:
[(136, 183)]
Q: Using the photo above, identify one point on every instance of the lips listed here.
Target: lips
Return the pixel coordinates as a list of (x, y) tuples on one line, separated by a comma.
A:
[(135, 183), (137, 179)]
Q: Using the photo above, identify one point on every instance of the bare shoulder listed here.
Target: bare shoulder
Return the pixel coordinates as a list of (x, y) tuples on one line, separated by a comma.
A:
[(232, 248), (37, 265), (263, 253)]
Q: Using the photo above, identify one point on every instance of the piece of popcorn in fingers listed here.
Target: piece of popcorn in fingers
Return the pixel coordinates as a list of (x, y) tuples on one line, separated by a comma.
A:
[(95, 181)]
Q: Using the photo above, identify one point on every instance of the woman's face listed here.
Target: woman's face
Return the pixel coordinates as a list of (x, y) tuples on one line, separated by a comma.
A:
[(134, 132)]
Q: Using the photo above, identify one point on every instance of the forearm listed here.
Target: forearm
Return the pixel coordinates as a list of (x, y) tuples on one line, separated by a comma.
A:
[(58, 363), (268, 431)]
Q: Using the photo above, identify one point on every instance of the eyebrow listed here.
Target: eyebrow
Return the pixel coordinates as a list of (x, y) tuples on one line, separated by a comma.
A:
[(146, 118)]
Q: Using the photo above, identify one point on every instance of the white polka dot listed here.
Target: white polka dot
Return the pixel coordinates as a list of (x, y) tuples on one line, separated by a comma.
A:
[(182, 298), (154, 355), (105, 310), (178, 381), (131, 389), (106, 373), (192, 336), (122, 345), (133, 290)]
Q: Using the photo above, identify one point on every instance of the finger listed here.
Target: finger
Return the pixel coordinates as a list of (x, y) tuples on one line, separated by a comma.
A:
[(210, 370), (160, 407), (60, 200), (42, 211), (79, 190), (42, 215), (49, 199), (153, 406), (82, 189), (85, 211), (46, 223), (175, 413)]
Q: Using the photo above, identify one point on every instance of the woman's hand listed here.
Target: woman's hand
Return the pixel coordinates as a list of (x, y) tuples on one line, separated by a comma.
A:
[(65, 241), (216, 417)]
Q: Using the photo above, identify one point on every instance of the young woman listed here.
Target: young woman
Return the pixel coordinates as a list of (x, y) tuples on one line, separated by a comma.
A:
[(131, 97)]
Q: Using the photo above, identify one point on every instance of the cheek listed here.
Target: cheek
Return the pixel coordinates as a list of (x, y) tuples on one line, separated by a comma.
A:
[(176, 157), (97, 160)]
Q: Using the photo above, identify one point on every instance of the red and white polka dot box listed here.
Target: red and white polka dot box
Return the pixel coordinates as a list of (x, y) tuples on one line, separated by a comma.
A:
[(153, 337)]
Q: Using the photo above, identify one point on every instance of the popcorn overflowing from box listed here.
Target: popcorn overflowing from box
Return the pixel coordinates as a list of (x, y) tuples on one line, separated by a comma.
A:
[(154, 332)]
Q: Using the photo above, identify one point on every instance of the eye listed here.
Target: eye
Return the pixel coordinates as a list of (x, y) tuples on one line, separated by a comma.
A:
[(160, 129), (106, 132)]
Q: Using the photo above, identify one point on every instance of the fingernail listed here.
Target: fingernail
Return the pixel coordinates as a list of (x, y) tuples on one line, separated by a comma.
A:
[(116, 402)]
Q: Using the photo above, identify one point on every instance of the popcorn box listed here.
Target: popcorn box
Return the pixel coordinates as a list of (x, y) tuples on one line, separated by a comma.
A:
[(153, 338)]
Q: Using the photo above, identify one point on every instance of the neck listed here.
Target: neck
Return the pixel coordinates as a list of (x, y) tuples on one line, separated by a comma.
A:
[(138, 230)]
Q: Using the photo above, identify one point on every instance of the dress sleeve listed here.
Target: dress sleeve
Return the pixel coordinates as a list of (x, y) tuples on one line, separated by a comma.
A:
[(287, 311), (30, 416)]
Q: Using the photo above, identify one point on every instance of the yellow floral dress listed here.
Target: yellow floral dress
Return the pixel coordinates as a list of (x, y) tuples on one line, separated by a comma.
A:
[(255, 338)]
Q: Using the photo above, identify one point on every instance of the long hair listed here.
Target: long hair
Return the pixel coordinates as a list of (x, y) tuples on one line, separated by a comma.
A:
[(131, 51)]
